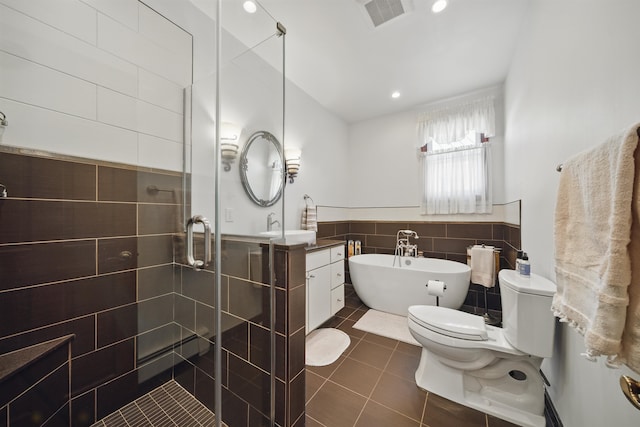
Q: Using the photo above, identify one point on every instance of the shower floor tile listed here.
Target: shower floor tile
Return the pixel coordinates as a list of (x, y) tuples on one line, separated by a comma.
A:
[(385, 393), (166, 406)]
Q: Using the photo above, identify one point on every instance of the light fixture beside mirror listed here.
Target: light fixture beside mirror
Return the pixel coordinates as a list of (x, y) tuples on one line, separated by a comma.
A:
[(3, 123), (229, 143), (292, 158)]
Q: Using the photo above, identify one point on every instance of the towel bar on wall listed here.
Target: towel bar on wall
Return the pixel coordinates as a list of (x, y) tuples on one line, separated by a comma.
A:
[(559, 167), (631, 389)]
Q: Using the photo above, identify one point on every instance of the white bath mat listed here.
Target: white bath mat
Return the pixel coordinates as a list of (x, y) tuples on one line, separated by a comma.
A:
[(386, 324), (325, 345)]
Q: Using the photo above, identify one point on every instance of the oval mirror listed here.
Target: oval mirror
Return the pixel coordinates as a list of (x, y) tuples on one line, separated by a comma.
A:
[(261, 169)]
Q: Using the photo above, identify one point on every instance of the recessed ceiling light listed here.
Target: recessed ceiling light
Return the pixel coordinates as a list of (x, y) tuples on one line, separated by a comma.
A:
[(249, 6), (395, 94), (439, 6)]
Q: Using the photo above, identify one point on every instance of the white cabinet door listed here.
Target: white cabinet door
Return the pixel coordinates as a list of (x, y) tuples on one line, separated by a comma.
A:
[(318, 297)]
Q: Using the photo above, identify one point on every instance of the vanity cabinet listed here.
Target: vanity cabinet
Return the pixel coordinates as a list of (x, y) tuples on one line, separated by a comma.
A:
[(325, 284)]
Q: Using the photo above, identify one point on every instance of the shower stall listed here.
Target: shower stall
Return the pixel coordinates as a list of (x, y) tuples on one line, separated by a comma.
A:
[(132, 268)]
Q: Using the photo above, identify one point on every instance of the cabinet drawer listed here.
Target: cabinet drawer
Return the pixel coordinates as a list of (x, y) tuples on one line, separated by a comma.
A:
[(337, 274), (337, 253), (318, 259), (337, 299)]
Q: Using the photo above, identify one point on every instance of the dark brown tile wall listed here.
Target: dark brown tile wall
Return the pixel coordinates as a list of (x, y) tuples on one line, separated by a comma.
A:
[(86, 249), (246, 314), (444, 240)]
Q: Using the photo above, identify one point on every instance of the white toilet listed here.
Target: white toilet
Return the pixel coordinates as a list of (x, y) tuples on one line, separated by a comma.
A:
[(494, 370)]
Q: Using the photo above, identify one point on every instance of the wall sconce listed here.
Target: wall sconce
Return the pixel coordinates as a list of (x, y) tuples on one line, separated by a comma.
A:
[(292, 159), (229, 143), (3, 123)]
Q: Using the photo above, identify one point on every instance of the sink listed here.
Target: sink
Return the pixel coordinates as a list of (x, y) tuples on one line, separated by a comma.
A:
[(293, 237)]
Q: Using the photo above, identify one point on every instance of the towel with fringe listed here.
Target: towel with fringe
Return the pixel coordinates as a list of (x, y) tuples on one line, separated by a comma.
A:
[(593, 222), (310, 218), (483, 270)]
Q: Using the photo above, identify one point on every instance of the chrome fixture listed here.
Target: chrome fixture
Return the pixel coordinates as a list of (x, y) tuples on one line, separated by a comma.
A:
[(3, 123), (153, 190), (271, 221), (292, 158), (403, 245), (3, 192), (280, 29), (631, 389), (199, 264)]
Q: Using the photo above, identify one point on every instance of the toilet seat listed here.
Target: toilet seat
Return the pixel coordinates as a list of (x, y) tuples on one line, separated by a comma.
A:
[(452, 323), (421, 320)]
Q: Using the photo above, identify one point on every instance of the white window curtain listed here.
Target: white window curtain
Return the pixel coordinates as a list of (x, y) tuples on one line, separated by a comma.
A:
[(455, 164)]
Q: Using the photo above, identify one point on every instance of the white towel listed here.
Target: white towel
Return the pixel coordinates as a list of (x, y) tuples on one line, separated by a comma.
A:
[(630, 353), (309, 218), (483, 269), (592, 233)]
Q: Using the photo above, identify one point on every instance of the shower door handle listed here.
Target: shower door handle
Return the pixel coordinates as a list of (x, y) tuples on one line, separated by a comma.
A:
[(199, 264)]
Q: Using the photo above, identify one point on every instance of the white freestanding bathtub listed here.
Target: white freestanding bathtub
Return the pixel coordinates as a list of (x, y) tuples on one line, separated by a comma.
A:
[(385, 287)]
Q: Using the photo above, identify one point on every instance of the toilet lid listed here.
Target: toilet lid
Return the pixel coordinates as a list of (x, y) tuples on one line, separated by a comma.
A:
[(447, 321)]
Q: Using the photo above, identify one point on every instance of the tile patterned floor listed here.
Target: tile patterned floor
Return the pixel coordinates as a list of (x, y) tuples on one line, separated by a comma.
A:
[(372, 385), (167, 405)]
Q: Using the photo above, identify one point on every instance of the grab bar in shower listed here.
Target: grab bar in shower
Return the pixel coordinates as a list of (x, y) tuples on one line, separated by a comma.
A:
[(199, 264)]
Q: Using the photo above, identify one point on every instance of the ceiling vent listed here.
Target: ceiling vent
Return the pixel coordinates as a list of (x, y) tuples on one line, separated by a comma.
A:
[(379, 12)]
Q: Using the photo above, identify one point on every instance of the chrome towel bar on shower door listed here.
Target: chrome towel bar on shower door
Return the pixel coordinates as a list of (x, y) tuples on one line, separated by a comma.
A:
[(199, 264)]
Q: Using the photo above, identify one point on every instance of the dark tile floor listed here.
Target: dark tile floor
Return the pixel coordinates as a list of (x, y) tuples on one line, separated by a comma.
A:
[(372, 385)]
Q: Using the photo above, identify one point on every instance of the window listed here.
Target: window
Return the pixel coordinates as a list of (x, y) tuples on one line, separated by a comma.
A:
[(455, 159)]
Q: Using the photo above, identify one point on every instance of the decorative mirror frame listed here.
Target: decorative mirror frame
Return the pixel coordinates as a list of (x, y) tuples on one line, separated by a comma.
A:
[(244, 165)]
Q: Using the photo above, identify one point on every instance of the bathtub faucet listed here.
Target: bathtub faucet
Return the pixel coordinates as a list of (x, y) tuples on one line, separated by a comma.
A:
[(403, 245)]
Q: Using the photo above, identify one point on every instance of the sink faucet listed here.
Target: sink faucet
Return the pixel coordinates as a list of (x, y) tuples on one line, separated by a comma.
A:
[(271, 221), (403, 247)]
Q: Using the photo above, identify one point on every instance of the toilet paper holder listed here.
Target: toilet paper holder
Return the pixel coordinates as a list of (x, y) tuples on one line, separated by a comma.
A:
[(439, 291)]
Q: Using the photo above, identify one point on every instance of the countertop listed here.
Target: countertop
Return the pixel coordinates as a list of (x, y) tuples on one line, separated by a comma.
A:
[(323, 244)]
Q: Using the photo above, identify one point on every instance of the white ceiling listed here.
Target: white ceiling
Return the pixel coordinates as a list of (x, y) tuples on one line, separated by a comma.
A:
[(335, 54)]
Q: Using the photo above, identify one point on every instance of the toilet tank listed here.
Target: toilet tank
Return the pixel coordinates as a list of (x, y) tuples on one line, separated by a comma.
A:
[(527, 321)]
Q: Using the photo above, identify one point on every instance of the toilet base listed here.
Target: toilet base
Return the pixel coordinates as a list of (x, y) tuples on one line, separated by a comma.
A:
[(491, 389)]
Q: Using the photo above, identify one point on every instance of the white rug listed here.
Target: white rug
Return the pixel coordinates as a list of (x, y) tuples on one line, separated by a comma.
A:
[(325, 345), (386, 324)]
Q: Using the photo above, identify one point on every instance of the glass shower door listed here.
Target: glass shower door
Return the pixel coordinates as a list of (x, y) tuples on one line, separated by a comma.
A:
[(229, 303)]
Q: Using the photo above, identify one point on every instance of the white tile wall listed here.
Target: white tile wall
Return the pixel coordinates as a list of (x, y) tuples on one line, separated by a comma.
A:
[(123, 11), (34, 84), (31, 39), (159, 122), (136, 115), (160, 91), (72, 17), (159, 153), (155, 27), (117, 109), (40, 129), (100, 79), (133, 47)]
